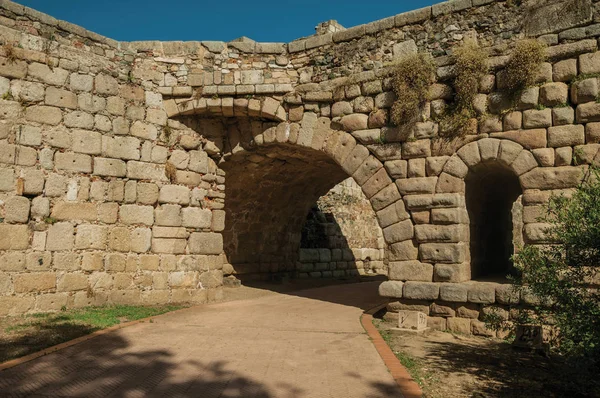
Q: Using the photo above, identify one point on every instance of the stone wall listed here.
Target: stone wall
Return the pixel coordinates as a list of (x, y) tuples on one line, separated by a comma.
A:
[(341, 236), (141, 172)]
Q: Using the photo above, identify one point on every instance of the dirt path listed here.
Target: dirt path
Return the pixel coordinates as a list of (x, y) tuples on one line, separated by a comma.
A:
[(453, 366), (304, 344)]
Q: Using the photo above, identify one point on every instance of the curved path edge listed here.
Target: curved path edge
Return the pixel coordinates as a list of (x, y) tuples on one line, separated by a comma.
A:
[(408, 387)]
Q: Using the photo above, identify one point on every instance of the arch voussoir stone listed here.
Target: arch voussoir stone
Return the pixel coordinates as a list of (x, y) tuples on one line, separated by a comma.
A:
[(524, 163), (488, 149), (456, 167), (470, 154)]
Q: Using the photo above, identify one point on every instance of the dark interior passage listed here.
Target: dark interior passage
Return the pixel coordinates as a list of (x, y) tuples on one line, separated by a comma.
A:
[(491, 191), (269, 192)]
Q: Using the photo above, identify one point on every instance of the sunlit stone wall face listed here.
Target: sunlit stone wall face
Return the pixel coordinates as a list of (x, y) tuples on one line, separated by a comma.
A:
[(142, 172)]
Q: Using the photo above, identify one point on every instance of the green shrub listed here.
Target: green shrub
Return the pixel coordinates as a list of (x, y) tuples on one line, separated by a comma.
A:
[(411, 79), (524, 65), (559, 274)]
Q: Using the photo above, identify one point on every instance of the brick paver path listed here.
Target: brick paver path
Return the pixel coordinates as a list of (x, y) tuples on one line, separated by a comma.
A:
[(304, 344)]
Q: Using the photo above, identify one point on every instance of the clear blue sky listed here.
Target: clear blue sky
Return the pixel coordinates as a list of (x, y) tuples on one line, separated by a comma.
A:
[(261, 20)]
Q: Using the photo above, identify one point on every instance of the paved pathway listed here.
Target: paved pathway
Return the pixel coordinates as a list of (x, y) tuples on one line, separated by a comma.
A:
[(303, 344)]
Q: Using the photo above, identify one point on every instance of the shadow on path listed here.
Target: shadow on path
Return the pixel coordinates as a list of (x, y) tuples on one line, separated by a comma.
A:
[(103, 367)]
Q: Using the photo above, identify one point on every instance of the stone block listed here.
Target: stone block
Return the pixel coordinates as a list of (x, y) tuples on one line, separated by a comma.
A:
[(144, 130), (147, 193), (552, 178), (205, 243), (194, 217), (544, 156), (146, 171), (60, 237), (43, 114), (12, 261), (584, 91), (34, 282), (534, 118), (168, 246), (61, 98), (140, 240), (75, 211), (106, 85), (564, 71), (391, 289), (568, 135), (109, 167), (562, 116), (51, 302), (14, 237), (507, 294), (66, 261), (459, 325), (421, 290), (73, 162), (589, 63), (410, 271), (91, 237), (452, 272), (441, 233), (71, 282), (416, 149), (451, 253), (482, 293), (135, 214), (454, 292), (30, 135), (403, 251), (16, 209), (588, 112), (553, 94), (174, 194), (92, 261), (168, 215), (412, 320), (399, 232), (412, 186), (79, 119), (127, 148)]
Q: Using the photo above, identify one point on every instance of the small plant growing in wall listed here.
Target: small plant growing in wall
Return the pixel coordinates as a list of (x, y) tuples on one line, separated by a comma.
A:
[(411, 79), (470, 67), (171, 172), (524, 65), (9, 52)]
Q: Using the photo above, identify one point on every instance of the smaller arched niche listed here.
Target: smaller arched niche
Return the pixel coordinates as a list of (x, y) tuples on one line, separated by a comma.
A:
[(493, 198)]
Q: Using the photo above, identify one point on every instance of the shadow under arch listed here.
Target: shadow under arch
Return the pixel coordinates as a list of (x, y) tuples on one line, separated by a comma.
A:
[(274, 173)]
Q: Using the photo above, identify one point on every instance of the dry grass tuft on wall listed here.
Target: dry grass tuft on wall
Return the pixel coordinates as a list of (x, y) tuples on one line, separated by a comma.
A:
[(524, 65), (470, 67), (411, 79)]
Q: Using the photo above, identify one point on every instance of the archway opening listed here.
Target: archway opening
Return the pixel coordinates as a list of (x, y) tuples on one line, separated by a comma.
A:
[(492, 191), (341, 236), (269, 192)]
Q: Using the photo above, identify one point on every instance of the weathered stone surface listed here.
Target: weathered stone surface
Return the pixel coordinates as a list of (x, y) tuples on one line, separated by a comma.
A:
[(568, 135), (482, 293), (421, 290), (391, 289), (552, 178), (440, 233), (453, 292), (443, 252), (205, 243), (410, 271)]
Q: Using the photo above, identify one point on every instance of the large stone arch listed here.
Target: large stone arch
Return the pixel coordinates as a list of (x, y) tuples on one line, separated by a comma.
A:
[(264, 215)]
